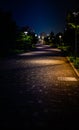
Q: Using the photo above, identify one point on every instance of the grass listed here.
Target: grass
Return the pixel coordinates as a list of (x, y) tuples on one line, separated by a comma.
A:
[(72, 58), (75, 61), (64, 48)]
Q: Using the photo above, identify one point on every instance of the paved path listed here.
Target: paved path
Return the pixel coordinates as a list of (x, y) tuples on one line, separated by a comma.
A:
[(38, 89)]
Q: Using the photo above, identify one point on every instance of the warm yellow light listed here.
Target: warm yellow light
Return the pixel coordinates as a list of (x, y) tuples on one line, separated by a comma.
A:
[(67, 79), (47, 62)]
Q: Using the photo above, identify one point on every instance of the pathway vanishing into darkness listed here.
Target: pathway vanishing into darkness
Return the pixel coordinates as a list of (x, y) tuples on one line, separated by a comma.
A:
[(38, 89)]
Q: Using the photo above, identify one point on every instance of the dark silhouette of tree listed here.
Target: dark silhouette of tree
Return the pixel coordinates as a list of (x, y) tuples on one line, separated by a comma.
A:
[(46, 39), (7, 32), (59, 38), (50, 39), (72, 25)]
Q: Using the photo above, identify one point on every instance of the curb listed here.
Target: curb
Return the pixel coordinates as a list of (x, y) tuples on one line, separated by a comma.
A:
[(75, 70)]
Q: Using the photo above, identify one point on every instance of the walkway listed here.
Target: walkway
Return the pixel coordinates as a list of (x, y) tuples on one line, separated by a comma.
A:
[(39, 89)]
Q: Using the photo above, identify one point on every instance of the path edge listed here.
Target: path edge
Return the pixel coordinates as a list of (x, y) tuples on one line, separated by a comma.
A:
[(75, 70)]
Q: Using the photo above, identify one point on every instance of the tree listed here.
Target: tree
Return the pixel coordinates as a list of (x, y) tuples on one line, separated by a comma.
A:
[(26, 38), (50, 39), (72, 30), (7, 32), (59, 38)]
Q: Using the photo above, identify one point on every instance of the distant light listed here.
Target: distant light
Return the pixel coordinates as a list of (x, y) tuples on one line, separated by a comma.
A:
[(75, 13), (25, 33), (60, 36), (47, 34), (39, 37), (42, 37), (36, 35)]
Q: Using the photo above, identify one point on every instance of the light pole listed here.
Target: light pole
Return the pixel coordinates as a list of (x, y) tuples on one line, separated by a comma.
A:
[(75, 15)]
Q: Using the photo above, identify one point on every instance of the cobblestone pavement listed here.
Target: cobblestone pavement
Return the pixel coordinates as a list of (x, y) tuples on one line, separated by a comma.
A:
[(38, 89)]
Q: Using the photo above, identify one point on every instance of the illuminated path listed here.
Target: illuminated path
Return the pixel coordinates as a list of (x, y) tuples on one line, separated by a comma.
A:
[(38, 89)]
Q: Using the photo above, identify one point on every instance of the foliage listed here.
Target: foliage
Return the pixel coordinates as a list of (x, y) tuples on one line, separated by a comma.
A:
[(72, 27), (71, 58), (50, 39), (26, 41), (58, 40), (75, 61), (7, 33)]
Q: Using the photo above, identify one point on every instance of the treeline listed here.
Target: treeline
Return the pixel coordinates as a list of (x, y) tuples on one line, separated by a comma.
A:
[(69, 39), (7, 32), (13, 39), (71, 32), (54, 40)]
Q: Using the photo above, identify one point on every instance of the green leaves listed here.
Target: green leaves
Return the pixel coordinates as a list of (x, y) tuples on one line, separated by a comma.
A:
[(26, 41), (73, 25)]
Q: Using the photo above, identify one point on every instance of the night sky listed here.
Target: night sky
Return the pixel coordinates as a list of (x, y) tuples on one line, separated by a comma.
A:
[(41, 15)]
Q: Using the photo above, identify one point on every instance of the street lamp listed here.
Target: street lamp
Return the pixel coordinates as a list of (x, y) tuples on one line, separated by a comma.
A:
[(25, 33), (75, 15)]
